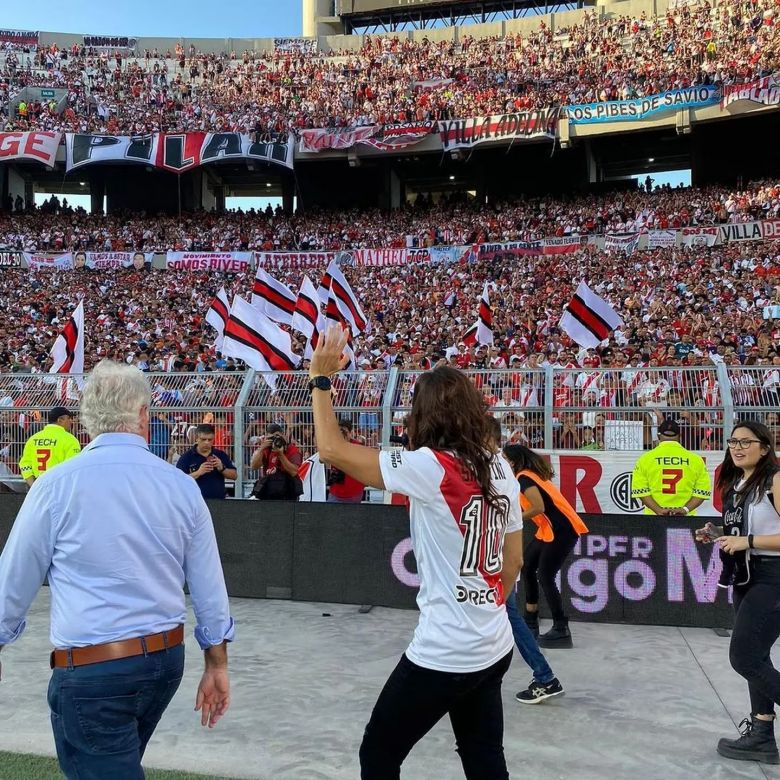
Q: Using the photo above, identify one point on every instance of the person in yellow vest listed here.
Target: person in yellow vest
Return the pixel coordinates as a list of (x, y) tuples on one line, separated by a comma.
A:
[(52, 445), (670, 480), (558, 529)]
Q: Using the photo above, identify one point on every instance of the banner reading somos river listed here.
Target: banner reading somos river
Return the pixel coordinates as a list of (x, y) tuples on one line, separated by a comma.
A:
[(213, 262)]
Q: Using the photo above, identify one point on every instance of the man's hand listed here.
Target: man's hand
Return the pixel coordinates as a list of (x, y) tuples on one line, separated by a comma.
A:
[(204, 468), (266, 443), (216, 463), (213, 698)]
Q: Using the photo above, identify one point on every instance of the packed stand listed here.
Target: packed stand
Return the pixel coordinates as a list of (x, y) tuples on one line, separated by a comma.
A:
[(389, 80), (453, 221)]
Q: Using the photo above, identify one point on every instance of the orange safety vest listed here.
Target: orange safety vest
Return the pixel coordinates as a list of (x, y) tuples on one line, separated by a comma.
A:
[(544, 527)]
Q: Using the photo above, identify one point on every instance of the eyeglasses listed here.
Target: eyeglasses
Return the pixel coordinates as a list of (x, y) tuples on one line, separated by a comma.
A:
[(743, 444)]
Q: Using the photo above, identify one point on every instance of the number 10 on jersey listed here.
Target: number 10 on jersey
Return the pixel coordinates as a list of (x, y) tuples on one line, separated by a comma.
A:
[(483, 538)]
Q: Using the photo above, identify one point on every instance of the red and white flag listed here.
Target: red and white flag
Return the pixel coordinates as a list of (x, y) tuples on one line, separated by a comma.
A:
[(274, 299), (481, 332), (346, 301), (307, 309), (333, 314), (252, 337), (589, 319), (307, 318), (217, 316), (67, 353)]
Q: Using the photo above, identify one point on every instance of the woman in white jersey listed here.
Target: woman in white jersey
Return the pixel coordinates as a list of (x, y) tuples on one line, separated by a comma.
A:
[(466, 535), (749, 483)]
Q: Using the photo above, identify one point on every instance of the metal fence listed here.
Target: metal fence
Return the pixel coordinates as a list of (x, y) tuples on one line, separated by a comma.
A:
[(565, 409)]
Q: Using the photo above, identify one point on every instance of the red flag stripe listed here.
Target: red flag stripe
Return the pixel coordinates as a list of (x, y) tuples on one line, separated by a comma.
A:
[(307, 308), (589, 319), (273, 296), (219, 307), (346, 299), (276, 359), (71, 334)]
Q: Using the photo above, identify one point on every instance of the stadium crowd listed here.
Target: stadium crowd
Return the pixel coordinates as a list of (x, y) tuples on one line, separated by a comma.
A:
[(452, 221), (391, 80)]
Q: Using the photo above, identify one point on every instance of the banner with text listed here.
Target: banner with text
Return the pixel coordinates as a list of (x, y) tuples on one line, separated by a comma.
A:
[(295, 260), (621, 243), (600, 482), (110, 42), (523, 126), (213, 262), (385, 138), (661, 239), (296, 45), (642, 108), (764, 92), (699, 236), (178, 152), (40, 146), (91, 261), (23, 38), (11, 259)]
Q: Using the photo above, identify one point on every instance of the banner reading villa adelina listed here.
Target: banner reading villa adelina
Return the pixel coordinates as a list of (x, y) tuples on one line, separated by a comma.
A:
[(522, 126)]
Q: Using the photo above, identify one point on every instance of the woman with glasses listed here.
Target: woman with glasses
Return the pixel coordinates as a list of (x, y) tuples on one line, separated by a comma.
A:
[(749, 483)]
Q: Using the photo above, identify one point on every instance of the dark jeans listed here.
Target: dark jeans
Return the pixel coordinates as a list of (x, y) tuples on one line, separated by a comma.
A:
[(415, 699), (542, 562), (103, 715), (756, 629)]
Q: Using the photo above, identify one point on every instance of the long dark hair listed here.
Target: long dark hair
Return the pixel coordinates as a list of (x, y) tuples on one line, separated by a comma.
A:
[(449, 413), (757, 483), (521, 459)]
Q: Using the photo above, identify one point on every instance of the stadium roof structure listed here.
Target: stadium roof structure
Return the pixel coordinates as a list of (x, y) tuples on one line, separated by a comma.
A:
[(377, 16)]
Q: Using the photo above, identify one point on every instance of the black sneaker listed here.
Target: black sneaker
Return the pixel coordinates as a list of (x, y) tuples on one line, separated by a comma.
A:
[(537, 692)]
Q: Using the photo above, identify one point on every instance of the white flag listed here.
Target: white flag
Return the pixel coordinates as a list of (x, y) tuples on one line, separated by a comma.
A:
[(588, 319), (217, 316), (274, 299), (252, 337), (68, 351)]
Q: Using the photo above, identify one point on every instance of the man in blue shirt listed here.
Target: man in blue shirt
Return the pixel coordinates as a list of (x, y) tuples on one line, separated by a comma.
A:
[(207, 465), (117, 558)]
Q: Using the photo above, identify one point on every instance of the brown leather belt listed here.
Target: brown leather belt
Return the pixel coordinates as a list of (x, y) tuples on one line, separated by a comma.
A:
[(113, 651)]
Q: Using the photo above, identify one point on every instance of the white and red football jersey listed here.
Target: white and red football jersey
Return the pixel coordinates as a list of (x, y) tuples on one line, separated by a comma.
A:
[(458, 540)]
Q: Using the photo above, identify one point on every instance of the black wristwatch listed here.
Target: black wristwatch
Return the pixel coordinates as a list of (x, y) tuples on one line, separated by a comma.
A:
[(319, 383), (750, 541)]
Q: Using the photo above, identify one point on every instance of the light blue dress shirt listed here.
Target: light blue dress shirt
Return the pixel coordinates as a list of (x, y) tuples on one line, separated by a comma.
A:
[(118, 531)]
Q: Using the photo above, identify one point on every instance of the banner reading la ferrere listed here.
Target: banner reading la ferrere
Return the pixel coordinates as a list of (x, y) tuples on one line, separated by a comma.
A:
[(522, 126), (627, 569), (213, 262), (178, 152), (642, 108), (40, 146)]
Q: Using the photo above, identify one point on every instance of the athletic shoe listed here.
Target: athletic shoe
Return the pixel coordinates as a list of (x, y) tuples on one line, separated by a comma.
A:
[(537, 692)]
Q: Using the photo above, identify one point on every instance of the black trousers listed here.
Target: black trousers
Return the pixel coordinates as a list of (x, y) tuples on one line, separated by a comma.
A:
[(756, 629), (542, 562), (415, 699)]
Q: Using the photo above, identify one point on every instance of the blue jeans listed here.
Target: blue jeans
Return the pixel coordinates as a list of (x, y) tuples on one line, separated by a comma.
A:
[(103, 715), (526, 643)]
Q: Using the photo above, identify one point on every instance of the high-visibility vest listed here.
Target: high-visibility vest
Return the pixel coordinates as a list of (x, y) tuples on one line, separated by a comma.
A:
[(544, 527)]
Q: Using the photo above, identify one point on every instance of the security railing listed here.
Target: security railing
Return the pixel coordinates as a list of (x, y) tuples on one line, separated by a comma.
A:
[(565, 409)]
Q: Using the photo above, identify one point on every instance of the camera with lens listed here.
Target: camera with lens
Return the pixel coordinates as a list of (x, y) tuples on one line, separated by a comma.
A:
[(278, 442), (403, 440)]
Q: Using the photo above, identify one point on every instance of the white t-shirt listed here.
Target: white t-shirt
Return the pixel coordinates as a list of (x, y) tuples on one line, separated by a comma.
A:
[(458, 540)]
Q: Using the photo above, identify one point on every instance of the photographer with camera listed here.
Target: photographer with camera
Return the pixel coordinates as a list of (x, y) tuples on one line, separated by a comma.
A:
[(279, 460), (343, 489)]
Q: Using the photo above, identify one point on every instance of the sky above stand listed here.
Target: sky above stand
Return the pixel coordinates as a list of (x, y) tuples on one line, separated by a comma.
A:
[(152, 18)]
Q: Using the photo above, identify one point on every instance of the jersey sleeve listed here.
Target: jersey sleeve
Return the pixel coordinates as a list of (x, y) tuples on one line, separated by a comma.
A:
[(415, 474), (70, 447), (27, 460), (515, 519), (702, 487), (640, 487)]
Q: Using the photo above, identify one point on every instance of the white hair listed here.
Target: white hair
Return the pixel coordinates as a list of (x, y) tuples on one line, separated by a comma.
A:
[(113, 398)]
